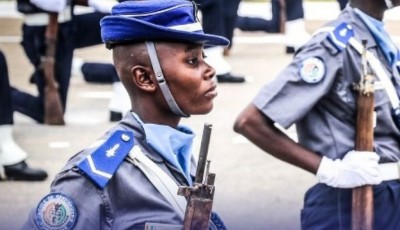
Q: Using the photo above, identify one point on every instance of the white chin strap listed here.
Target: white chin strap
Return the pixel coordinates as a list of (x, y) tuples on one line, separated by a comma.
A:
[(389, 4), (161, 80)]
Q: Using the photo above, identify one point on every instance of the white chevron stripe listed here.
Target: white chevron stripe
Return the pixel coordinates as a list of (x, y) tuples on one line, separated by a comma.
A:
[(94, 170)]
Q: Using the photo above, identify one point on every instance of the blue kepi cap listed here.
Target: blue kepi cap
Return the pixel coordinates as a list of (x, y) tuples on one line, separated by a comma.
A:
[(154, 20)]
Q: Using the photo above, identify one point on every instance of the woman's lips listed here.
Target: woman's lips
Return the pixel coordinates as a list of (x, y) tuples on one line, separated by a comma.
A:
[(212, 92)]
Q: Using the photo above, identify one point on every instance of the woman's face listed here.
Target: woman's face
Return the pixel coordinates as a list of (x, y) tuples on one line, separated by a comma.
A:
[(189, 77)]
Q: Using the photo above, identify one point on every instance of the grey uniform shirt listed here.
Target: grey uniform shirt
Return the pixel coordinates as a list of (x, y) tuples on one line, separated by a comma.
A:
[(324, 111), (128, 201)]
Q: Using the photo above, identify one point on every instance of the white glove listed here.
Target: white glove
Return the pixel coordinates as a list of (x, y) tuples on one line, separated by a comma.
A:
[(52, 6), (102, 6), (355, 169)]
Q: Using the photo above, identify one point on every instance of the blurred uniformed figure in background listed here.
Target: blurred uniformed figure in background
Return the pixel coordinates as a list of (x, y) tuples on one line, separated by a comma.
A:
[(12, 157), (316, 93), (75, 31), (294, 27), (218, 18)]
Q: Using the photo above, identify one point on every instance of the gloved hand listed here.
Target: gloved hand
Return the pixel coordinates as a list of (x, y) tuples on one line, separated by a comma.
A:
[(52, 6), (355, 169), (102, 6)]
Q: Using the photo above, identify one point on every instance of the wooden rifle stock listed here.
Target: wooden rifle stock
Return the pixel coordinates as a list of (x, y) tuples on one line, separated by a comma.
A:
[(200, 196), (53, 109), (362, 201)]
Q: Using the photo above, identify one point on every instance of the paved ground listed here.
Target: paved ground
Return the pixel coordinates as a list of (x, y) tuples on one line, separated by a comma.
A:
[(254, 190)]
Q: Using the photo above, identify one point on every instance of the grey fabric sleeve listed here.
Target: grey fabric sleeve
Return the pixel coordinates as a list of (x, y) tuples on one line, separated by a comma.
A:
[(89, 202), (287, 98)]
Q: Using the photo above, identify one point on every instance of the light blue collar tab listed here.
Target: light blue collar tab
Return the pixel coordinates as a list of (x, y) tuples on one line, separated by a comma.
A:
[(340, 36), (174, 145), (101, 165)]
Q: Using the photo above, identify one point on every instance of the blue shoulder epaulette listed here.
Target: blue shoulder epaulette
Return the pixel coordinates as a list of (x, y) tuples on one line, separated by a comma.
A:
[(340, 36), (101, 165)]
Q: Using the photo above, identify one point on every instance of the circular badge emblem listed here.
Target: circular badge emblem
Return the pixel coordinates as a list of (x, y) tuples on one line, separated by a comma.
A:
[(56, 211), (312, 70)]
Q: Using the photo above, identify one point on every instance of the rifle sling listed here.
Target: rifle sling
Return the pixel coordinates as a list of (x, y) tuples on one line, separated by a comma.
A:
[(380, 73), (161, 180), (376, 67)]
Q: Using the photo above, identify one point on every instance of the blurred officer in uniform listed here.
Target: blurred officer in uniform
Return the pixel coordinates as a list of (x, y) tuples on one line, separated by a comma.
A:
[(104, 73), (294, 27), (75, 31), (315, 92), (129, 178), (12, 158), (218, 17)]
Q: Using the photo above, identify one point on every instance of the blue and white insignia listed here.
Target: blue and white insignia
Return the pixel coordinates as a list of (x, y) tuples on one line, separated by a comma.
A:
[(56, 211), (341, 35), (100, 165), (312, 70)]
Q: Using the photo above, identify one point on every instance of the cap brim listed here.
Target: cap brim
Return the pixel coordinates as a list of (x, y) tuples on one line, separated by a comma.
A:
[(132, 29)]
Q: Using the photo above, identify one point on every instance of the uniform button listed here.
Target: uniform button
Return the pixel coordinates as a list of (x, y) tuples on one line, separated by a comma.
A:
[(125, 137)]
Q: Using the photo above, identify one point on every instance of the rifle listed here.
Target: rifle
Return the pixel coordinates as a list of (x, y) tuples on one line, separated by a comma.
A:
[(282, 16), (53, 109), (200, 196), (362, 200)]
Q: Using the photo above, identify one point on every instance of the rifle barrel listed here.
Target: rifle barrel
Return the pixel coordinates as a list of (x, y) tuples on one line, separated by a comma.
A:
[(205, 142)]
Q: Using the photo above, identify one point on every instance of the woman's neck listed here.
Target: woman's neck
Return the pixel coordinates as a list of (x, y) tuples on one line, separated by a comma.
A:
[(157, 117), (373, 8)]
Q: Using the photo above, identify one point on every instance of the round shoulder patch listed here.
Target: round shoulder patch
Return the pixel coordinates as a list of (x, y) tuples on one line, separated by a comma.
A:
[(56, 211), (312, 70)]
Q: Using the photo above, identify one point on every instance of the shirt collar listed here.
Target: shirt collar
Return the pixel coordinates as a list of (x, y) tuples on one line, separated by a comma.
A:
[(382, 38), (173, 144)]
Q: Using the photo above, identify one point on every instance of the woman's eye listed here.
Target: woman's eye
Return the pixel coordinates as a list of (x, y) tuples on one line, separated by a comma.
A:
[(193, 61)]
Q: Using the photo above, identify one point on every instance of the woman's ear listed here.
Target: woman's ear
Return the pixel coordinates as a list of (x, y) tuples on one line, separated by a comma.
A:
[(142, 77)]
